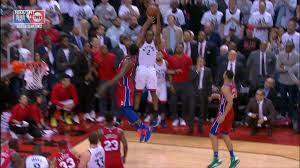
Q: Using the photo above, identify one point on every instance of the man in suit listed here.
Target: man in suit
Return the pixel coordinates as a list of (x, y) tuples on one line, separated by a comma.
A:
[(172, 33), (261, 65), (188, 41), (235, 66), (211, 35), (260, 112), (205, 49), (66, 57), (103, 39), (201, 78), (48, 52), (76, 39)]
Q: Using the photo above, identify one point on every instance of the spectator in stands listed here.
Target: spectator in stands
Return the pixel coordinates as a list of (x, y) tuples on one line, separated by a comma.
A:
[(262, 21), (292, 35), (172, 33), (206, 49), (213, 16), (52, 9), (232, 19), (249, 43), (175, 11), (286, 60), (195, 12), (269, 6), (126, 11), (38, 110), (295, 75), (22, 120), (245, 7), (115, 31), (106, 71), (85, 83), (286, 11), (63, 97), (66, 57), (260, 112), (106, 13), (94, 23), (275, 45), (202, 80), (102, 38), (76, 39), (233, 65), (133, 28), (46, 30), (211, 35), (47, 53), (181, 86), (269, 90), (231, 37), (84, 29), (188, 42), (261, 65), (81, 11)]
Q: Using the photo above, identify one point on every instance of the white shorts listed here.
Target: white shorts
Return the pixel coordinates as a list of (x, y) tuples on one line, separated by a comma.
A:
[(68, 102), (145, 77), (161, 93)]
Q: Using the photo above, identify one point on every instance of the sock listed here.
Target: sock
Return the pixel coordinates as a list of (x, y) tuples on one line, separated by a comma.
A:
[(231, 153), (216, 155)]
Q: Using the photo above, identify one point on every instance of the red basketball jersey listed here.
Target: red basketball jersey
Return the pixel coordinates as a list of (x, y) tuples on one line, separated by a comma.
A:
[(125, 87), (110, 141), (6, 155), (66, 159)]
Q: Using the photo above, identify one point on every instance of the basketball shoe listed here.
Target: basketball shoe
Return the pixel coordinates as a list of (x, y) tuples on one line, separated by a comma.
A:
[(215, 163)]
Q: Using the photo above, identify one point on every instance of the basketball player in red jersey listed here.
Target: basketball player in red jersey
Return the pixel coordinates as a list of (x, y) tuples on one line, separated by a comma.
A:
[(9, 157), (66, 157), (110, 137), (125, 90), (223, 123)]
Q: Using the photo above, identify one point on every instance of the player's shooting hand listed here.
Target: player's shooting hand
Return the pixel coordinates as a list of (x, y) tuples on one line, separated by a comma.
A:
[(221, 119)]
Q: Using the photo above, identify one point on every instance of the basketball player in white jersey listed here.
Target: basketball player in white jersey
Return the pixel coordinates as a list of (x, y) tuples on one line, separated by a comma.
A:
[(94, 157), (36, 160), (161, 91), (145, 72)]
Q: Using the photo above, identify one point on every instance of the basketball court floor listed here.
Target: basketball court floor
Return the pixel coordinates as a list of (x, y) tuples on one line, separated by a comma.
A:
[(178, 151)]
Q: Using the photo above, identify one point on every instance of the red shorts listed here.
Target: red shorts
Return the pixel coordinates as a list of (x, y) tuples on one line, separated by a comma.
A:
[(125, 95), (113, 163), (225, 127)]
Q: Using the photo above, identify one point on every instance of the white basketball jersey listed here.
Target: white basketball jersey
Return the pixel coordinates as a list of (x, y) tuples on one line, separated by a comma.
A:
[(36, 161), (161, 71), (97, 159), (232, 24), (147, 54)]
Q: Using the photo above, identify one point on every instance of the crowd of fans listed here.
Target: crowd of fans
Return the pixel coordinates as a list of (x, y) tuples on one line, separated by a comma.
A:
[(82, 42)]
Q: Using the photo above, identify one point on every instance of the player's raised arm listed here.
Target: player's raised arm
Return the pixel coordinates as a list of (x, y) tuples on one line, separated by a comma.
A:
[(142, 34)]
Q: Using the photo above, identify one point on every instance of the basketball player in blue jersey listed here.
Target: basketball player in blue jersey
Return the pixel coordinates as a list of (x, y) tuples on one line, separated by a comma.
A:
[(125, 90), (148, 44), (223, 123)]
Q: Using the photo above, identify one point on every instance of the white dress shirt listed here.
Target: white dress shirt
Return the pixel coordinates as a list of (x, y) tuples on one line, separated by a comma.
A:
[(260, 109), (187, 48), (201, 53), (201, 74), (233, 63), (263, 55)]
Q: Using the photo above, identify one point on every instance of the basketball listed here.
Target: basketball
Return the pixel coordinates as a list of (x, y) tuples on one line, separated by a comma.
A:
[(152, 10), (18, 67)]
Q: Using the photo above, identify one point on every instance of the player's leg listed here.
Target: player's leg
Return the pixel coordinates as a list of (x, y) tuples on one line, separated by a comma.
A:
[(215, 146), (140, 83), (234, 159), (162, 96), (144, 131), (151, 83)]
